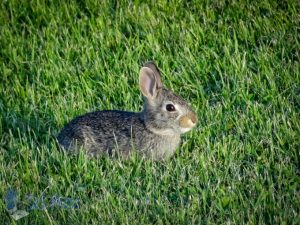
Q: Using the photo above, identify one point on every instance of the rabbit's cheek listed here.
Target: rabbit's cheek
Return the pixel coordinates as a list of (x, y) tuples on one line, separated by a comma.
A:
[(160, 117)]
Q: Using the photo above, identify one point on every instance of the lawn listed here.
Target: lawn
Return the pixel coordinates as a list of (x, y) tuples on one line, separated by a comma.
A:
[(236, 62)]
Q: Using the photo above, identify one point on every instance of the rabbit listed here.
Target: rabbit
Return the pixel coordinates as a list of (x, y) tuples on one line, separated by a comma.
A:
[(152, 133)]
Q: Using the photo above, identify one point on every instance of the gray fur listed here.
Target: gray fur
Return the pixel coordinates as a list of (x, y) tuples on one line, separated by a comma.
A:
[(153, 133)]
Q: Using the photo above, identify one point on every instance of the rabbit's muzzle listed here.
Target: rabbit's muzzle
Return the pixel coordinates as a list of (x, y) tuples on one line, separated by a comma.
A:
[(188, 121)]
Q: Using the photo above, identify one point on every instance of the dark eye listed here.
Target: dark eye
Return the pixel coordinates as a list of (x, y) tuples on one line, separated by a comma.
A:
[(170, 107)]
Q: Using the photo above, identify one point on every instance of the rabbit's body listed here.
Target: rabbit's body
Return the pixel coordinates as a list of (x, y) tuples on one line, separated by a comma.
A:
[(153, 133), (109, 131)]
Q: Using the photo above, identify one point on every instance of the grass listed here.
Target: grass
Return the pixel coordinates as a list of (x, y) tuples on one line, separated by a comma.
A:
[(237, 63)]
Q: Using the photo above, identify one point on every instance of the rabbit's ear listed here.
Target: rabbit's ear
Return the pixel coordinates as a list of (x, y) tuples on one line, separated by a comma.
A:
[(148, 83), (156, 72)]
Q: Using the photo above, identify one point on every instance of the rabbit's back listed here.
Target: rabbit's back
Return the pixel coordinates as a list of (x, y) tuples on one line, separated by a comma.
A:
[(100, 131), (105, 131)]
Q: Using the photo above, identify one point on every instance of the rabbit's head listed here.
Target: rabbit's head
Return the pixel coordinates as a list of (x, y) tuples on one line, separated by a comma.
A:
[(164, 112)]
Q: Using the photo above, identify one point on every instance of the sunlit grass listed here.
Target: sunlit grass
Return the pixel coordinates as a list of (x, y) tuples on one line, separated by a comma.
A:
[(238, 66)]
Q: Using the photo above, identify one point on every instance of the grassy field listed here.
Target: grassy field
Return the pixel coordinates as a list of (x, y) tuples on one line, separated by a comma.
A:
[(236, 63)]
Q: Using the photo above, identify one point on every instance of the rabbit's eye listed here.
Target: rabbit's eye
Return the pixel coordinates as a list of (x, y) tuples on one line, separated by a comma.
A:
[(170, 107)]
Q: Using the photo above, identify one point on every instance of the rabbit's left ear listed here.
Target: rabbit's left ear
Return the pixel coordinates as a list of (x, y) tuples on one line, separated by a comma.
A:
[(148, 84), (156, 73), (150, 80)]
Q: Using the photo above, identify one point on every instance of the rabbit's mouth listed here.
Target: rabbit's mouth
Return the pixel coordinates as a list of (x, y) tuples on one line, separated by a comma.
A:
[(184, 130)]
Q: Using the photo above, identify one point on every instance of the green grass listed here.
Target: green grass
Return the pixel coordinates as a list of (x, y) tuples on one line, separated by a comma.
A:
[(238, 66)]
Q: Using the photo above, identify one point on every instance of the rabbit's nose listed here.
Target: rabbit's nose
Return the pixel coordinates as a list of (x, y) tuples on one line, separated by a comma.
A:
[(188, 121), (193, 117)]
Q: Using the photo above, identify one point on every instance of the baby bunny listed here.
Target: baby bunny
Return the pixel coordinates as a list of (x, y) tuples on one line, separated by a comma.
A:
[(153, 133)]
